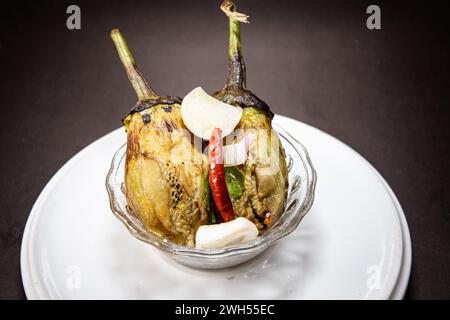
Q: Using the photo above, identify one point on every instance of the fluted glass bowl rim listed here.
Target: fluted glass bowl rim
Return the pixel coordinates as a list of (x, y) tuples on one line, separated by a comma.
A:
[(287, 223)]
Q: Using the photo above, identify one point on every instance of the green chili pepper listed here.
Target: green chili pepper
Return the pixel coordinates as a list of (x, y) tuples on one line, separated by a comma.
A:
[(234, 178), (210, 207)]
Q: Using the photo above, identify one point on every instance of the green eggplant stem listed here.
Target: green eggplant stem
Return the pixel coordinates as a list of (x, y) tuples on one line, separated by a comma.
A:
[(236, 67), (235, 91), (234, 47), (140, 85)]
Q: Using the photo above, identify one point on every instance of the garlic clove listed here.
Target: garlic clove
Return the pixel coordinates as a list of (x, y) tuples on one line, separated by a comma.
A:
[(216, 236), (202, 113)]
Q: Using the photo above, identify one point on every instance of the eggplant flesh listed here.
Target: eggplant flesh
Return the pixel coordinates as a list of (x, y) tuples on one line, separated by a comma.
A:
[(265, 171), (163, 181)]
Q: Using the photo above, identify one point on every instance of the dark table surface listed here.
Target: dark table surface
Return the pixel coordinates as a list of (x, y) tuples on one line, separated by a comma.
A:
[(383, 92)]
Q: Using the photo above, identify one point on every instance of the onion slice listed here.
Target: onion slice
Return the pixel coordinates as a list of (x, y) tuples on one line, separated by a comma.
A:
[(236, 154)]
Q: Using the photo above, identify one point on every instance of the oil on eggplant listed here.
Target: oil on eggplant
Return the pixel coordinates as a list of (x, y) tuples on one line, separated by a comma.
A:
[(266, 179), (163, 171)]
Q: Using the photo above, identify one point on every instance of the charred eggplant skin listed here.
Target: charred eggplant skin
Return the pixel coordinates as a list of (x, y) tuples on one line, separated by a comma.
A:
[(148, 103)]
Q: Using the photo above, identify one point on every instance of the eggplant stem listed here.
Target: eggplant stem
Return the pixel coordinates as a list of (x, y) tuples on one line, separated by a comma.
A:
[(236, 65), (140, 85), (235, 91)]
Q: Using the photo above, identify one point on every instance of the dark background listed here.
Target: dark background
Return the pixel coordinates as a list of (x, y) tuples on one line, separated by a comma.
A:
[(385, 93)]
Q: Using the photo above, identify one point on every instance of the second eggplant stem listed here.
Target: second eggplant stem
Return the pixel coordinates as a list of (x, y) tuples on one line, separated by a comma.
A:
[(236, 72)]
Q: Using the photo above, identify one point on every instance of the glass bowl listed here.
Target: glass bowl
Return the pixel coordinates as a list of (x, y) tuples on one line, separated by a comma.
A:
[(300, 197)]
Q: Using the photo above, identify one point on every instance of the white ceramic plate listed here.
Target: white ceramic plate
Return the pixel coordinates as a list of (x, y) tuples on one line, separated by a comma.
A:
[(349, 246)]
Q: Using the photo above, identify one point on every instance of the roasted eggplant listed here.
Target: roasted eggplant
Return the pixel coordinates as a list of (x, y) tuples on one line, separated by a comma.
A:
[(265, 171), (167, 173), (163, 171)]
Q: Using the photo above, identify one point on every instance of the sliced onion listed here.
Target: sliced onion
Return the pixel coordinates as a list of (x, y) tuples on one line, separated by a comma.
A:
[(202, 113), (268, 165), (237, 153)]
